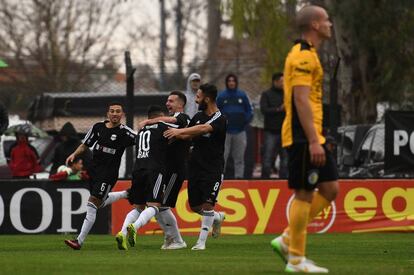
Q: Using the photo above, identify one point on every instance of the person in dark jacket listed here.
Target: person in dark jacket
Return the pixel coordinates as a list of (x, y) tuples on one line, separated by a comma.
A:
[(4, 118), (236, 107), (271, 105), (24, 159), (70, 142)]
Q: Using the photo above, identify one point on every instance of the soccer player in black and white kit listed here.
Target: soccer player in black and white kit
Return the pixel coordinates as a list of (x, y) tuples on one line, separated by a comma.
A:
[(207, 129), (109, 140), (177, 158), (147, 178)]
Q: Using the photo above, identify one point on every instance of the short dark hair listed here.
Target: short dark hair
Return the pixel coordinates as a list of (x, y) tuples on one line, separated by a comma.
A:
[(231, 75), (180, 95), (112, 103), (209, 91), (277, 76), (155, 111)]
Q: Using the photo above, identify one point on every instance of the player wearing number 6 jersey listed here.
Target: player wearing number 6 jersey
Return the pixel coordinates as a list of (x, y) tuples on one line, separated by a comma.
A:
[(108, 140), (207, 129), (147, 178)]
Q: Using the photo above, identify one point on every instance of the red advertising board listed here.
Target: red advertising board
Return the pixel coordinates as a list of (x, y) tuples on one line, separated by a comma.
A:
[(258, 207)]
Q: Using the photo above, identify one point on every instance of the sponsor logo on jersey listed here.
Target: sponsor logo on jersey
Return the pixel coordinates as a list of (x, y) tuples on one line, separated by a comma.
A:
[(113, 137), (105, 149)]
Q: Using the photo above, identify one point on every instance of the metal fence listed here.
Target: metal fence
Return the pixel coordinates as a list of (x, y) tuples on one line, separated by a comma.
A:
[(81, 98)]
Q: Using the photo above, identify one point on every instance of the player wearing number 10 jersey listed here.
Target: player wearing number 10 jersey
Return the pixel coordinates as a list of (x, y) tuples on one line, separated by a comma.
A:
[(177, 157), (147, 178)]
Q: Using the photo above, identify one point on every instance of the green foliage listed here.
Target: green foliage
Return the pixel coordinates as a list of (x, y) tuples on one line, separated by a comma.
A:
[(383, 32), (266, 23)]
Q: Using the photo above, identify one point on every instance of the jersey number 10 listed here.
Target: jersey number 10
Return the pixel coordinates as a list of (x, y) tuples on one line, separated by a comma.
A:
[(144, 144)]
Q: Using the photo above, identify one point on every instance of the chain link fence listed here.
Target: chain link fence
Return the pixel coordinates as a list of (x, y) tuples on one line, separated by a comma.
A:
[(82, 98)]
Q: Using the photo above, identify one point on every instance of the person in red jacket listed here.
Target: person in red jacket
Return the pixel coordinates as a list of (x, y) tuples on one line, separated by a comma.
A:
[(24, 160), (73, 171)]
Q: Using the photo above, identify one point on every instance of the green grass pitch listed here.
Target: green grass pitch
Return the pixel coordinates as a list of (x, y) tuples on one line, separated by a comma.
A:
[(341, 253)]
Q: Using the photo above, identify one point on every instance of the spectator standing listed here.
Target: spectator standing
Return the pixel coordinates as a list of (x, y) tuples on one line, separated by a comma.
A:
[(271, 105), (193, 84), (24, 159), (236, 107), (4, 118), (70, 142)]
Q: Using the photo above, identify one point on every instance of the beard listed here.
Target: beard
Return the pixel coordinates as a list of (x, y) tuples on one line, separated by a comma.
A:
[(202, 106)]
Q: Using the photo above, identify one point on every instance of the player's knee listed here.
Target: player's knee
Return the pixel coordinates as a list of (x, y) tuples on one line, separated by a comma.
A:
[(329, 190), (95, 201), (304, 195), (196, 209), (207, 207), (333, 193), (154, 204), (140, 207)]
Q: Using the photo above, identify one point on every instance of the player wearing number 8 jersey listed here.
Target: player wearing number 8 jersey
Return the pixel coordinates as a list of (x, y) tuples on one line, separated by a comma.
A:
[(108, 140), (207, 129)]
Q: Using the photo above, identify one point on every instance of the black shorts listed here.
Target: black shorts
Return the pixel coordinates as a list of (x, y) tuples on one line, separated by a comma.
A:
[(203, 188), (302, 174), (173, 182), (147, 186), (100, 188)]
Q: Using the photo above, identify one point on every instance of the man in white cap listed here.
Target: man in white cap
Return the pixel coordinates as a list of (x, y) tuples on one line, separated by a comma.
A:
[(193, 84)]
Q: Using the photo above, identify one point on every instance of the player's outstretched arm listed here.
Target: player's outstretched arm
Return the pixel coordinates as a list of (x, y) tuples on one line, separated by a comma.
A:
[(167, 119), (190, 132), (81, 148)]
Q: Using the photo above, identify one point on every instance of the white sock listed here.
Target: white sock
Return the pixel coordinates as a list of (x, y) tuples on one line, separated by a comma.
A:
[(206, 224), (171, 227), (145, 216), (131, 217), (87, 222), (161, 223), (217, 216), (113, 197)]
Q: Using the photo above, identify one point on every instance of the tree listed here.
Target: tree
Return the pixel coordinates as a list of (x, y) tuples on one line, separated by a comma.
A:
[(372, 37), (55, 45), (179, 25), (266, 22), (377, 58)]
